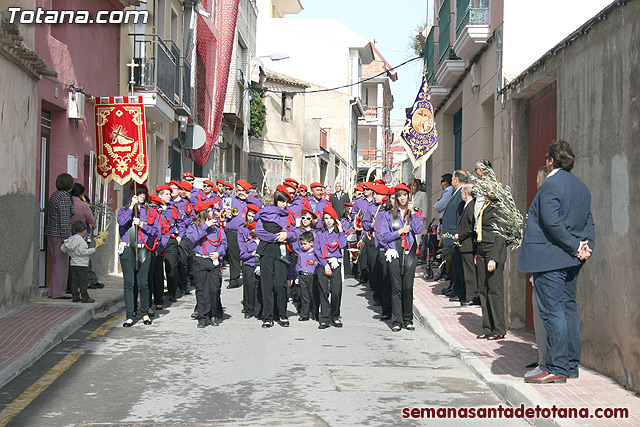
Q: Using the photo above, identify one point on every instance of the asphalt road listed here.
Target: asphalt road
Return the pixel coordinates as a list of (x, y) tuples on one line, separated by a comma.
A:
[(240, 374)]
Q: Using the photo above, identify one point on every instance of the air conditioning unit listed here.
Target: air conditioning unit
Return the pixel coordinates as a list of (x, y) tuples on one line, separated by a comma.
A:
[(75, 109)]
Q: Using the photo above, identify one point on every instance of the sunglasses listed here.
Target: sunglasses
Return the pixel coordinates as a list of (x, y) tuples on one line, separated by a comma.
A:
[(206, 185), (306, 218)]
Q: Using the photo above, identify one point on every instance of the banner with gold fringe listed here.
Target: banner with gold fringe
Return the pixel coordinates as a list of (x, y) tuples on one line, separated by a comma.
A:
[(121, 139), (419, 134)]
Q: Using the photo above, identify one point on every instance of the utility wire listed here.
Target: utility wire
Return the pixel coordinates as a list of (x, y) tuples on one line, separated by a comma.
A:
[(348, 85)]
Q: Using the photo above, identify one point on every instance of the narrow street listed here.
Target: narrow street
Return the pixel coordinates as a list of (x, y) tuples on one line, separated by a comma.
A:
[(240, 373)]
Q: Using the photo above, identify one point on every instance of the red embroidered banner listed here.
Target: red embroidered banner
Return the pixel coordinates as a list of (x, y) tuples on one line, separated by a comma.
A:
[(121, 139)]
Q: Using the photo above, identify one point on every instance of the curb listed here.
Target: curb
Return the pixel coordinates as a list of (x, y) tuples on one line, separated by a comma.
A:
[(57, 335), (513, 393)]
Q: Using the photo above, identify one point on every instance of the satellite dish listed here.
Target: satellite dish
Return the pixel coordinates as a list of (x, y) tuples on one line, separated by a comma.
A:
[(195, 136)]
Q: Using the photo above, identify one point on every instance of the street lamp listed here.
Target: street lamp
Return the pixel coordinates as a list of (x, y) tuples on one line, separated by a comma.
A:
[(275, 56)]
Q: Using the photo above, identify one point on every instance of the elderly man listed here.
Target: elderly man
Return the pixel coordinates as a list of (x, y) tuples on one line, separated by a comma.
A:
[(338, 199), (466, 237), (559, 238), (450, 220)]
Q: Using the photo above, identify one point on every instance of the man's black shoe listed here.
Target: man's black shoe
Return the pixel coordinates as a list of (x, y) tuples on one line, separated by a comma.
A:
[(96, 285), (233, 286), (454, 299), (202, 323)]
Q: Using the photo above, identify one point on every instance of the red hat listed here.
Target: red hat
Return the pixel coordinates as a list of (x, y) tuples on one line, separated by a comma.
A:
[(359, 187), (384, 199), (328, 210), (380, 189), (252, 208), (349, 205), (252, 225), (291, 180), (370, 185), (189, 174), (309, 211), (155, 199), (316, 184), (403, 187), (186, 185), (159, 188), (176, 183), (203, 205), (208, 182), (284, 190), (220, 181), (303, 187), (244, 184), (227, 184), (391, 190), (379, 181), (289, 184)]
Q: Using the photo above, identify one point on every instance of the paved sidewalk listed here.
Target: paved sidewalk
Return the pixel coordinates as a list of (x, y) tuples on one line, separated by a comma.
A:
[(501, 364), (29, 332)]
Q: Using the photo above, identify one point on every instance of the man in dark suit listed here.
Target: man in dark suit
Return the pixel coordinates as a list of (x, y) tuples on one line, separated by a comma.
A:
[(559, 237), (450, 220), (338, 199), (466, 237)]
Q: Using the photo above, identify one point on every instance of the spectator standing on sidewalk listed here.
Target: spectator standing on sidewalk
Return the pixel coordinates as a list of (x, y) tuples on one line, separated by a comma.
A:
[(559, 238), (440, 206), (83, 213), (58, 229)]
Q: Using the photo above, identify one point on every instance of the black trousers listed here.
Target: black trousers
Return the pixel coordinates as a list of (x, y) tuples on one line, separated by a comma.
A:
[(233, 256), (401, 278), (273, 280), (186, 262), (491, 291), (156, 279), (171, 266), (251, 282), (375, 271), (381, 270), (363, 259), (470, 275), (329, 309), (310, 296), (459, 286), (208, 280)]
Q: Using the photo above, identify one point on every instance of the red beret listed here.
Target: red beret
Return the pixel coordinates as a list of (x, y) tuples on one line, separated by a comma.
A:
[(370, 185), (379, 181), (380, 189), (328, 210), (303, 187), (251, 225), (384, 199), (391, 190), (186, 185), (203, 205), (189, 174), (350, 205), (359, 187), (208, 182), (176, 183), (159, 188), (155, 199), (403, 187), (284, 190), (244, 184), (316, 184), (291, 180), (228, 185), (220, 181), (289, 184), (308, 211), (252, 208)]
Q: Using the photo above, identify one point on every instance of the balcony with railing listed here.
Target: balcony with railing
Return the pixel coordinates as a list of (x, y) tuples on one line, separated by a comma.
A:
[(472, 27), (369, 156), (160, 69), (450, 67), (429, 55)]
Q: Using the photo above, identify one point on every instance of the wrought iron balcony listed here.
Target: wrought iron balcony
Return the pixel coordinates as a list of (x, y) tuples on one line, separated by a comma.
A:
[(472, 16)]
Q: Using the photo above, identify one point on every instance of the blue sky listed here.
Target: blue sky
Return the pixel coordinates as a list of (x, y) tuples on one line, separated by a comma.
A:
[(391, 24)]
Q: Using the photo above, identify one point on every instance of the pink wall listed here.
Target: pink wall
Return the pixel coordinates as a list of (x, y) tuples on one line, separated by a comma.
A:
[(89, 55)]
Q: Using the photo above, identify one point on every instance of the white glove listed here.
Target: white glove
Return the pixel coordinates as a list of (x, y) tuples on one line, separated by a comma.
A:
[(351, 238), (257, 271), (333, 262), (216, 262), (391, 254)]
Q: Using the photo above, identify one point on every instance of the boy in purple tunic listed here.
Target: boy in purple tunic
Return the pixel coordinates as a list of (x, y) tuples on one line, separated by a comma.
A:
[(248, 243), (329, 242), (307, 278)]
